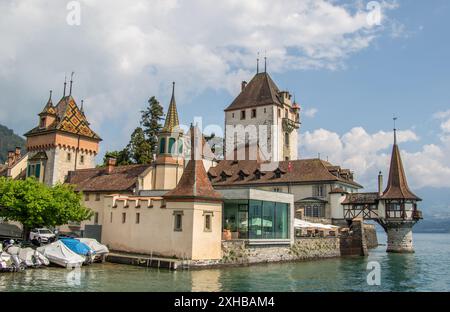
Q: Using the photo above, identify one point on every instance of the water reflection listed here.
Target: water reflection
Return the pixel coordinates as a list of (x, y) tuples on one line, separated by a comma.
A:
[(426, 270)]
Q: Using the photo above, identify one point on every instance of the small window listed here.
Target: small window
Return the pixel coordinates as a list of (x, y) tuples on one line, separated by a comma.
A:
[(277, 190), (286, 113), (124, 217), (69, 156), (97, 197), (138, 218), (111, 217), (172, 142), (265, 110), (318, 191), (253, 113), (243, 115), (208, 222), (178, 226), (42, 125), (232, 115), (279, 113), (162, 146), (96, 218), (286, 139), (86, 197), (82, 160)]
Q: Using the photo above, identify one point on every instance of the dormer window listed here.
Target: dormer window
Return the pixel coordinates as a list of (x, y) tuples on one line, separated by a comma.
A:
[(278, 173), (258, 174), (42, 123), (243, 174)]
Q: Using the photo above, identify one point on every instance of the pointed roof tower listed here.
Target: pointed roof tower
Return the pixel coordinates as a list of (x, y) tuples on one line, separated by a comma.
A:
[(49, 109), (172, 121), (261, 90), (397, 187), (194, 184)]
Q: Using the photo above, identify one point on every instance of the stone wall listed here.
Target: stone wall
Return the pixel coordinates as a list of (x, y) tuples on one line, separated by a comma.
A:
[(370, 235), (354, 243), (238, 252)]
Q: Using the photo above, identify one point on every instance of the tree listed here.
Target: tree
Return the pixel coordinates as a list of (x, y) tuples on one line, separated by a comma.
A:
[(35, 205), (151, 122), (139, 148), (122, 157)]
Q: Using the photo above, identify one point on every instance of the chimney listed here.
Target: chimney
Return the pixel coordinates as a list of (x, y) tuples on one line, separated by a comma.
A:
[(111, 163), (380, 184), (11, 158), (243, 85), (18, 152)]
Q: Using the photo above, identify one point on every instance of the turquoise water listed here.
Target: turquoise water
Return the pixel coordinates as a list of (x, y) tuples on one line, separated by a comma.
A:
[(426, 270)]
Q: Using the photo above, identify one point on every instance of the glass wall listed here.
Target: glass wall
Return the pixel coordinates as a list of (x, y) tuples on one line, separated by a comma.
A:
[(255, 219)]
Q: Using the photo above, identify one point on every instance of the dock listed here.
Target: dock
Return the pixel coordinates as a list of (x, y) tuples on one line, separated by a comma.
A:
[(147, 261)]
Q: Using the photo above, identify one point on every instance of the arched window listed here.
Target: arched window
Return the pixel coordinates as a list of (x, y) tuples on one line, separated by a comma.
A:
[(162, 146), (180, 147), (172, 150), (286, 139)]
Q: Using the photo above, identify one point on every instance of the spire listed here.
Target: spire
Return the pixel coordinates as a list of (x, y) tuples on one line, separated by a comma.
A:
[(257, 64), (395, 130), (50, 98), (397, 186), (71, 82), (65, 85), (194, 183), (172, 121), (265, 61)]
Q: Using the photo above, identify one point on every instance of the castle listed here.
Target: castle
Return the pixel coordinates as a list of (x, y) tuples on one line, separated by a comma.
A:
[(187, 201)]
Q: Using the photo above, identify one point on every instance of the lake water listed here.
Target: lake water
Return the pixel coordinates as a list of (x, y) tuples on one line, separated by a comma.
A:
[(426, 270)]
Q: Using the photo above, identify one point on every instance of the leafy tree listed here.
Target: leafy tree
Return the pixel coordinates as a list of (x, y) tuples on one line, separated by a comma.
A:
[(122, 157), (34, 204), (151, 122), (139, 148)]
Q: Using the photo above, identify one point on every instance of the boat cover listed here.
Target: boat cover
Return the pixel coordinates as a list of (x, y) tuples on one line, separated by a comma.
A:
[(32, 257), (60, 254), (94, 245), (77, 246)]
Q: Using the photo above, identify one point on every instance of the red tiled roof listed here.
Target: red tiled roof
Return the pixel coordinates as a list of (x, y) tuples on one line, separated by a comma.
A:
[(121, 179), (294, 171), (361, 198)]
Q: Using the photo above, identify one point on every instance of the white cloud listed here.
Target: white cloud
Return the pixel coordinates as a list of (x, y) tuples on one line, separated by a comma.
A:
[(367, 154), (122, 53), (310, 112)]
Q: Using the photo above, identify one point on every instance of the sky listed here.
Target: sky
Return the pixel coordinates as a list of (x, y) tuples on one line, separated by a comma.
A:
[(350, 71)]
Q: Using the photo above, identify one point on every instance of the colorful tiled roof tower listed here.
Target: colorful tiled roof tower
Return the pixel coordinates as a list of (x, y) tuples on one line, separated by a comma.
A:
[(69, 118)]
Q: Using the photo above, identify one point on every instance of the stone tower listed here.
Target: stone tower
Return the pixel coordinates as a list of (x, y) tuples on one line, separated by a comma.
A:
[(261, 105), (169, 163), (63, 141), (400, 206)]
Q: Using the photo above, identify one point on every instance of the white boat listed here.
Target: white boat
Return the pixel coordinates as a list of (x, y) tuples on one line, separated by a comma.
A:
[(100, 250), (58, 253), (32, 258)]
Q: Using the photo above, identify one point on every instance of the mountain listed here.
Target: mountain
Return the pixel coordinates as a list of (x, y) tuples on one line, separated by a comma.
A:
[(9, 141)]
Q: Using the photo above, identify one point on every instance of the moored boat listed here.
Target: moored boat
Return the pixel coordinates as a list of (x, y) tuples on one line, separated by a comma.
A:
[(79, 248), (101, 251), (58, 253)]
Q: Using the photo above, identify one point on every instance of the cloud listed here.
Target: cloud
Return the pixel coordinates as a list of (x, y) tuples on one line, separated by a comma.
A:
[(368, 153), (124, 51), (310, 112)]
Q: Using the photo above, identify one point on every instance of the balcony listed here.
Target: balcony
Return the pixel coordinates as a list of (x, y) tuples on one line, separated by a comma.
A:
[(417, 215), (290, 125)]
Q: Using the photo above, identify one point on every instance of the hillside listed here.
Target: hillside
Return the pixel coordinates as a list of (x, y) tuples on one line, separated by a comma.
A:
[(8, 141)]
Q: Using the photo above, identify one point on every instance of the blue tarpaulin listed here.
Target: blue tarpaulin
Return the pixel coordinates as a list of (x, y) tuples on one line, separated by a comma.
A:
[(76, 246)]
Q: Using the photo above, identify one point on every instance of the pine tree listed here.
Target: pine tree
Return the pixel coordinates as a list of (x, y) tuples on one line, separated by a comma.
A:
[(139, 148), (150, 122)]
